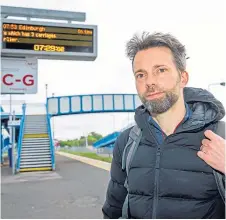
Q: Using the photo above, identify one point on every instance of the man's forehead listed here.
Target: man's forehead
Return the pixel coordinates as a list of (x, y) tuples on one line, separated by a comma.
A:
[(154, 56), (162, 53)]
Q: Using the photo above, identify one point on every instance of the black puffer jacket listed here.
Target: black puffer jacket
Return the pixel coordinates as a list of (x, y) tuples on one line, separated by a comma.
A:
[(168, 179)]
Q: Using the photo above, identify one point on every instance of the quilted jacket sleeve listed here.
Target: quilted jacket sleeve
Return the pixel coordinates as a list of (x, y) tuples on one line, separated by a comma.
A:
[(116, 192)]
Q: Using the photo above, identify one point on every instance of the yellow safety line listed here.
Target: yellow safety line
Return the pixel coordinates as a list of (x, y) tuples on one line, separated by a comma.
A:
[(35, 169), (35, 135)]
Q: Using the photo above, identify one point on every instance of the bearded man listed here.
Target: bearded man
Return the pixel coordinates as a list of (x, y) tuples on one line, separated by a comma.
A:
[(172, 171)]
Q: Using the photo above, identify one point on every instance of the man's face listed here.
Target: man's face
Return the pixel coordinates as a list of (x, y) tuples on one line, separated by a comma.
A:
[(158, 81)]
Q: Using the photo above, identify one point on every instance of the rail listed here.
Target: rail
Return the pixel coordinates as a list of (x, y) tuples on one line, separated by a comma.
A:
[(52, 148), (21, 134)]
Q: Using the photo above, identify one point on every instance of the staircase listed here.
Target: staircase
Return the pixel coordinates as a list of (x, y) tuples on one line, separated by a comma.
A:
[(35, 153)]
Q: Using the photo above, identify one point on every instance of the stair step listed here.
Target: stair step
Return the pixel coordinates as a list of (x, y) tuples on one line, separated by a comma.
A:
[(36, 156), (35, 152), (40, 135), (36, 116), (35, 132), (35, 165), (38, 148), (35, 119), (33, 123), (36, 142), (39, 139), (28, 154), (47, 147), (34, 147), (28, 123), (27, 145), (35, 128), (35, 160), (38, 121)]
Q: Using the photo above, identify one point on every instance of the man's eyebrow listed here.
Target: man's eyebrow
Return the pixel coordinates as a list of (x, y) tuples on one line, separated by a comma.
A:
[(140, 70), (159, 65)]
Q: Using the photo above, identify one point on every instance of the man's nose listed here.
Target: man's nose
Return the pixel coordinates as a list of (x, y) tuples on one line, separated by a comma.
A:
[(151, 80)]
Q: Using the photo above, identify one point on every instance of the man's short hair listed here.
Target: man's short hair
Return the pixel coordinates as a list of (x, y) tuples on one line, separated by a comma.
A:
[(158, 39)]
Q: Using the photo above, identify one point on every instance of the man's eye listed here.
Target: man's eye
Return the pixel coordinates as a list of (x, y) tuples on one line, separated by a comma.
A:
[(162, 70), (140, 75)]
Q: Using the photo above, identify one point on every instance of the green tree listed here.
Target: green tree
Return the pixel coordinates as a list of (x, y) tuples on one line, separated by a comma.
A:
[(92, 138)]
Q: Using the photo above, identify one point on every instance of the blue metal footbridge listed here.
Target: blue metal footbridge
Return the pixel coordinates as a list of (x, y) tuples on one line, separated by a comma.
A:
[(30, 134)]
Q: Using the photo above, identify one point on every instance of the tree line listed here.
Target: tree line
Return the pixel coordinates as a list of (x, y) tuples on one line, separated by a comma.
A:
[(80, 142)]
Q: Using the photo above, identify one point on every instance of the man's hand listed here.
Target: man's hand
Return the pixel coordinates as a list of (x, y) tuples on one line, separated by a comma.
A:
[(213, 151)]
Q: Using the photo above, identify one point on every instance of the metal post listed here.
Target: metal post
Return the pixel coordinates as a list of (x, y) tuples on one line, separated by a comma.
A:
[(46, 91), (13, 145), (86, 137), (10, 131)]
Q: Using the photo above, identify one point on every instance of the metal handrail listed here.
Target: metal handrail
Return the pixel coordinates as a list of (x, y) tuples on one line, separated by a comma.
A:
[(52, 149), (21, 135)]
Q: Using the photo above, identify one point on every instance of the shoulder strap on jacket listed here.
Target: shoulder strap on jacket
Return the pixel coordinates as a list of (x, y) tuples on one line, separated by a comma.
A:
[(133, 141)]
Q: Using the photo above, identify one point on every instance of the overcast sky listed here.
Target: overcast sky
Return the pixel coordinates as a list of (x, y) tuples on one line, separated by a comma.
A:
[(199, 25)]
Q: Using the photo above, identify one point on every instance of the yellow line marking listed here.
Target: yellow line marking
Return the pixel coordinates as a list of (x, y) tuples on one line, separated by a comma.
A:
[(36, 135), (96, 163), (36, 169)]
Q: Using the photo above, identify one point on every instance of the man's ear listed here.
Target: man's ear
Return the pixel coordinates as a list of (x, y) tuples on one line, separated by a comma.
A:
[(184, 79)]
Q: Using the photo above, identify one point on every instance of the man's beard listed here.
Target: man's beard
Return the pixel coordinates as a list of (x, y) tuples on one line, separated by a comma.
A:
[(160, 105)]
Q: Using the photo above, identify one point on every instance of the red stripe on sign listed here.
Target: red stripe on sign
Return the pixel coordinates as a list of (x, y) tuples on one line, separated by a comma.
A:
[(18, 80)]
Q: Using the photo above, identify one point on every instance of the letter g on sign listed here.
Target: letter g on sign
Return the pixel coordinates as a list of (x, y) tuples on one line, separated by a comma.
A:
[(28, 80)]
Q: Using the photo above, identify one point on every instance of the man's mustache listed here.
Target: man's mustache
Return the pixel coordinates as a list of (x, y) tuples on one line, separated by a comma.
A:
[(153, 89)]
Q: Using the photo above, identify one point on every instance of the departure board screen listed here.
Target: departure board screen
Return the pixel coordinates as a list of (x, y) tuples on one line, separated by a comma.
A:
[(47, 38)]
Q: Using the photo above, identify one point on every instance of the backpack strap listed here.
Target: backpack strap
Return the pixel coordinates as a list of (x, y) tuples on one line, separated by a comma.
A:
[(220, 129), (219, 177), (133, 141)]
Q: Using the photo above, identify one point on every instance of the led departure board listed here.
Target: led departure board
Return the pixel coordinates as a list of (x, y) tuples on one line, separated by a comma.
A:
[(53, 40)]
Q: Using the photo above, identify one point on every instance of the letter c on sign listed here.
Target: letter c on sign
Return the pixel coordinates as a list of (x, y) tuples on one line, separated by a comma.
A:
[(28, 82), (4, 79)]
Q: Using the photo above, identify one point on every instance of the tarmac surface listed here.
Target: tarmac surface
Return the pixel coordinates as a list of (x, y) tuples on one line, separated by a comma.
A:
[(75, 190)]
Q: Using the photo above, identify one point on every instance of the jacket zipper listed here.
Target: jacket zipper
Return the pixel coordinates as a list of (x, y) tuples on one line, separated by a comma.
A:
[(157, 166), (156, 186)]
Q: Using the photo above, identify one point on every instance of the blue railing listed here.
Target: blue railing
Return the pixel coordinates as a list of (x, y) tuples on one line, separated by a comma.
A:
[(52, 149), (21, 135), (106, 141)]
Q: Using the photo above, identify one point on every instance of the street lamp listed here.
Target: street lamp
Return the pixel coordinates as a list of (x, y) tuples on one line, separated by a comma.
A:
[(216, 84)]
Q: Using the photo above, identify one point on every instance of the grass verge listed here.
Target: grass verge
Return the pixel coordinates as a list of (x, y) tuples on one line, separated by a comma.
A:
[(89, 155)]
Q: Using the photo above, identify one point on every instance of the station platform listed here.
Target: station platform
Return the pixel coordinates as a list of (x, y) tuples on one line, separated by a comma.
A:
[(75, 190)]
